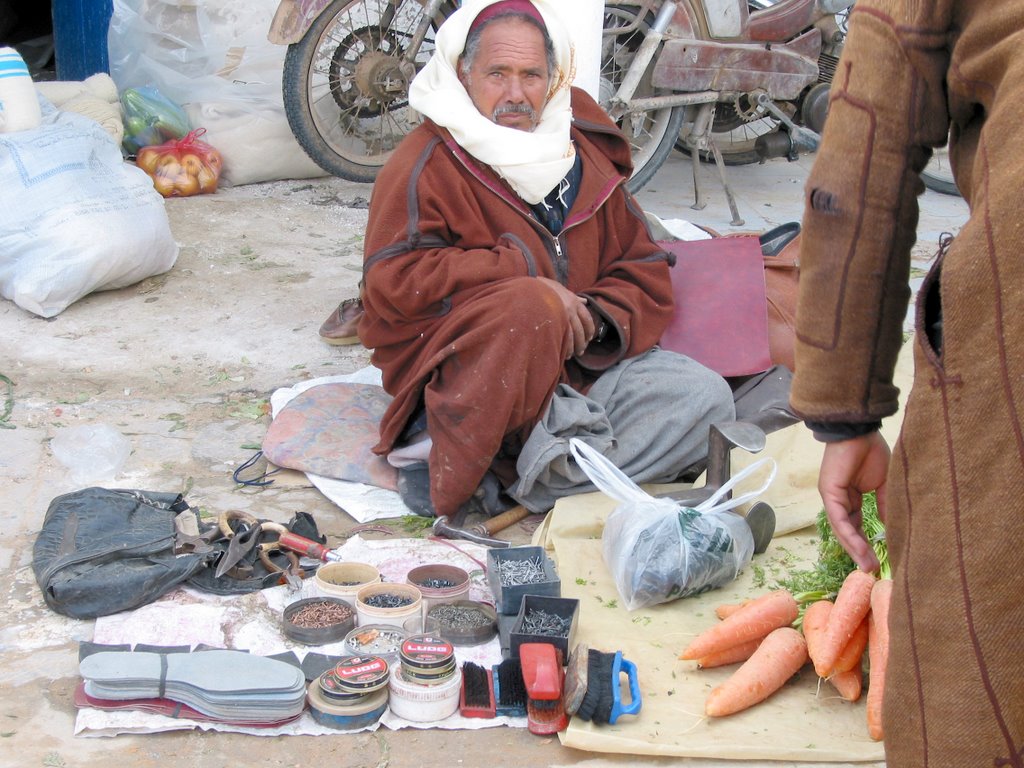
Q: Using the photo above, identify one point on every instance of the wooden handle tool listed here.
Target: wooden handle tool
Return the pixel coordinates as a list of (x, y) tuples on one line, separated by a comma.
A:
[(500, 522)]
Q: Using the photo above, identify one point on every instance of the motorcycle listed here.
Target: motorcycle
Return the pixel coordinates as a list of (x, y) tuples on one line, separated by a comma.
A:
[(698, 74)]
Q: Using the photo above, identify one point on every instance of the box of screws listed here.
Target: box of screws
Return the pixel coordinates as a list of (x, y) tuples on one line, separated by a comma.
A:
[(546, 620), (515, 572)]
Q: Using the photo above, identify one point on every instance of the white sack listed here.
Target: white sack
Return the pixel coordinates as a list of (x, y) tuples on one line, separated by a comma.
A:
[(76, 217)]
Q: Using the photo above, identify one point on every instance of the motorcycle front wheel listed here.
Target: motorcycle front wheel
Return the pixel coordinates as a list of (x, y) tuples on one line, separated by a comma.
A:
[(346, 84), (652, 135)]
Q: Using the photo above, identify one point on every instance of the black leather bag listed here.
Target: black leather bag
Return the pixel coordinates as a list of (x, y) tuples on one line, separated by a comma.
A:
[(102, 551)]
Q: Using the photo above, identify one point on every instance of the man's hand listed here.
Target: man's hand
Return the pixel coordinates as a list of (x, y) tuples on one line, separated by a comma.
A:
[(581, 322), (849, 469)]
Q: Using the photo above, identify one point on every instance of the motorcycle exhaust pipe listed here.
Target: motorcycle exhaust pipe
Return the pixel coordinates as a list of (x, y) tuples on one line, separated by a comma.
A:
[(774, 144), (781, 143)]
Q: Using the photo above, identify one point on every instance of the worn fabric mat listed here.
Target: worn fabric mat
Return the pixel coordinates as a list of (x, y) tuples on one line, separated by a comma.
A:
[(330, 430)]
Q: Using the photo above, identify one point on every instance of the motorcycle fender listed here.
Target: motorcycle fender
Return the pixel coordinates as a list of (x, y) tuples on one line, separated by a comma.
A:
[(782, 71), (293, 18)]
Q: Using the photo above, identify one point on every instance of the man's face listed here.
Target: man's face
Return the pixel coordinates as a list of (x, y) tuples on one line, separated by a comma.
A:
[(508, 78)]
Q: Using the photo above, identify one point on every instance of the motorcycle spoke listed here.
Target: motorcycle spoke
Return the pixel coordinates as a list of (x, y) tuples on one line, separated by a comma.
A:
[(648, 131)]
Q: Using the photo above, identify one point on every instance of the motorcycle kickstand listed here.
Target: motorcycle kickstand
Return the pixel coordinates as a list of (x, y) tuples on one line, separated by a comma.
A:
[(702, 138), (736, 220), (698, 197)]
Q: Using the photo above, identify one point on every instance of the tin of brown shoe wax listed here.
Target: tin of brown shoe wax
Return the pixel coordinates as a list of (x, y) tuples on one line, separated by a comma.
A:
[(358, 675), (332, 691), (427, 659)]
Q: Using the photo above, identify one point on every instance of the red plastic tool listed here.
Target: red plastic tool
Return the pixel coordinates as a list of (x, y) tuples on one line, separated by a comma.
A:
[(307, 547), (543, 678)]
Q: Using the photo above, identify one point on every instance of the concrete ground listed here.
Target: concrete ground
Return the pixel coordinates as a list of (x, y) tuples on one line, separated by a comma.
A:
[(183, 365)]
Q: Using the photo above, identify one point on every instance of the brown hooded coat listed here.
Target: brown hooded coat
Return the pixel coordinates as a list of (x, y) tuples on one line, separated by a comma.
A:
[(911, 69), (455, 316)]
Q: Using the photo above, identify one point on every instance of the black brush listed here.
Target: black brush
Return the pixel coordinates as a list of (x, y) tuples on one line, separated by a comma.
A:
[(477, 697), (600, 676), (588, 705), (509, 688)]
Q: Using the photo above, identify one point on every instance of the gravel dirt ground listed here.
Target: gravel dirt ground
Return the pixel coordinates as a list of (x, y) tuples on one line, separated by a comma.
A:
[(183, 364)]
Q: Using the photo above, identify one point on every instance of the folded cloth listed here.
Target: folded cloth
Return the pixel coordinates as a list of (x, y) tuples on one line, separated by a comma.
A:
[(95, 97)]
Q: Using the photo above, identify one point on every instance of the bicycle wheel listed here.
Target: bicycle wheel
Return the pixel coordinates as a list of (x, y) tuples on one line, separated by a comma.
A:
[(346, 84), (652, 135)]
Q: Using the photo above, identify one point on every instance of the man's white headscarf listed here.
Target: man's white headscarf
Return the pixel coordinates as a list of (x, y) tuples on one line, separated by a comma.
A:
[(531, 162)]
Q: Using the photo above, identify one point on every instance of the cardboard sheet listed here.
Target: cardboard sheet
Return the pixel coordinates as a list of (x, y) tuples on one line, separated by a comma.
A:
[(799, 723), (803, 722)]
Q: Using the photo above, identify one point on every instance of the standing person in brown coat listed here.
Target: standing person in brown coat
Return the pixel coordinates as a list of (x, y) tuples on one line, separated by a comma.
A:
[(951, 493), (506, 269)]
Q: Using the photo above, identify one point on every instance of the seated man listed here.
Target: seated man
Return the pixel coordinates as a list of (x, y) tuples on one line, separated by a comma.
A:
[(513, 294)]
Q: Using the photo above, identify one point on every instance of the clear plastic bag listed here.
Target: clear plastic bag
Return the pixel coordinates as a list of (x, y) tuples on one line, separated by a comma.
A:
[(92, 452), (658, 550), (150, 118)]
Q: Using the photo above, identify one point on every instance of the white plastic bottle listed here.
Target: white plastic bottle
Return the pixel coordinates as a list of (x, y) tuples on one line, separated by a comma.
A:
[(19, 105)]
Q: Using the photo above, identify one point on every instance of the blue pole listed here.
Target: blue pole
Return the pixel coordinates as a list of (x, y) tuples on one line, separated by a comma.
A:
[(80, 37)]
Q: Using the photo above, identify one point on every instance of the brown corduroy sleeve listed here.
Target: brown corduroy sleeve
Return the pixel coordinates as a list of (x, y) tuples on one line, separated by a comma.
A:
[(887, 106)]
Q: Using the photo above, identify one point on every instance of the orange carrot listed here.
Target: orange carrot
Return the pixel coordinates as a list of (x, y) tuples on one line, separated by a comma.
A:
[(815, 621), (775, 661), (851, 606), (852, 654), (754, 620), (725, 610), (740, 652), (878, 654), (849, 683)]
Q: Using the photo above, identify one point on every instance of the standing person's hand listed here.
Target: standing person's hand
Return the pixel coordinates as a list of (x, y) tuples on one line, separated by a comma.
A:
[(849, 469), (581, 321)]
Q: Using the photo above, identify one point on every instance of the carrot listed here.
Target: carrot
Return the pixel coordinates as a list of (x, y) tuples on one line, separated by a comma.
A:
[(740, 652), (852, 604), (754, 620), (853, 652), (849, 683), (776, 660), (815, 621), (878, 654), (725, 610)]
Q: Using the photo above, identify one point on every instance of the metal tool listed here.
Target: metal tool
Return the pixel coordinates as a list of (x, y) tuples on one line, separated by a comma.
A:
[(285, 539), (722, 438), (307, 547), (240, 545), (444, 528), (500, 522), (292, 575)]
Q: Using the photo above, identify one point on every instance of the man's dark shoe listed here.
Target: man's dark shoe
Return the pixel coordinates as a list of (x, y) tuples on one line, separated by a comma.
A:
[(490, 498), (341, 326), (414, 487)]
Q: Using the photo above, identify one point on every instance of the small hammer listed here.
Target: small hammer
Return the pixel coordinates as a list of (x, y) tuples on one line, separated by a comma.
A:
[(443, 527)]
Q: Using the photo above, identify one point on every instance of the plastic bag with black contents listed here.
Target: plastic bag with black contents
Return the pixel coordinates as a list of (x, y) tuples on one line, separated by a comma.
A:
[(659, 550)]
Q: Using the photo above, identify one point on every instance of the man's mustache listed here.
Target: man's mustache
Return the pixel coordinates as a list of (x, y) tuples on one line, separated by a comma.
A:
[(514, 109)]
